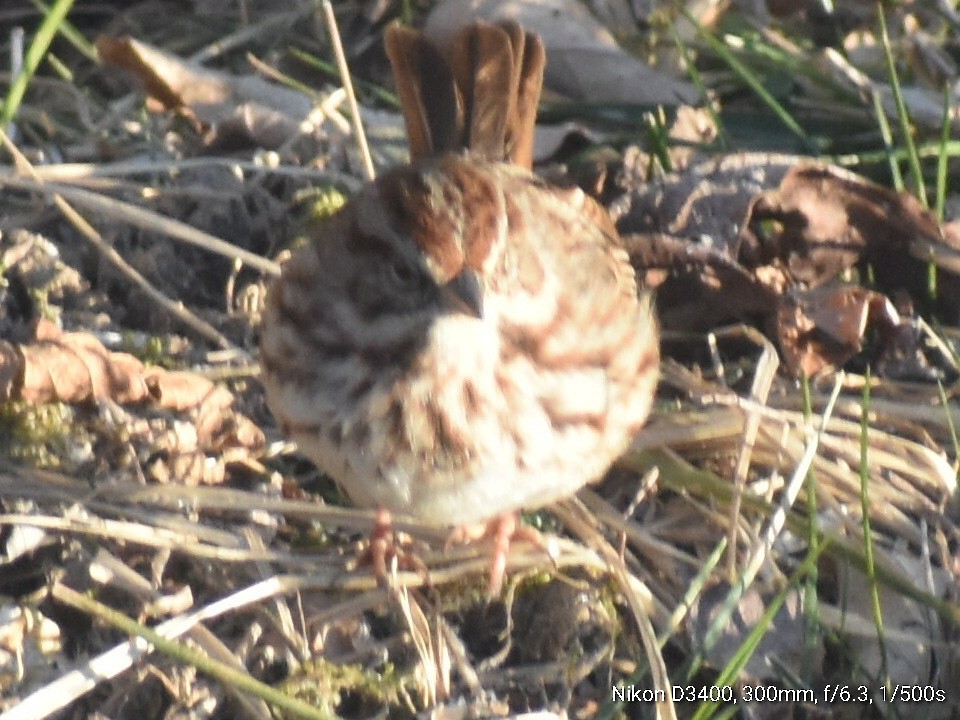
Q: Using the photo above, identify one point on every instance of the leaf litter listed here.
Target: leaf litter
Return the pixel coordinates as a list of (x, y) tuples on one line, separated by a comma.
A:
[(180, 478)]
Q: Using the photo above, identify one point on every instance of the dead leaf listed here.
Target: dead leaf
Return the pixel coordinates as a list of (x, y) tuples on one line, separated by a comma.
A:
[(70, 368), (783, 644), (823, 328), (725, 239), (698, 286), (177, 390), (238, 108), (708, 201), (77, 368), (822, 220), (220, 427)]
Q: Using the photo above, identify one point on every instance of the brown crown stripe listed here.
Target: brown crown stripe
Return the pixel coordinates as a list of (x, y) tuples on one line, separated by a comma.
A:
[(412, 197)]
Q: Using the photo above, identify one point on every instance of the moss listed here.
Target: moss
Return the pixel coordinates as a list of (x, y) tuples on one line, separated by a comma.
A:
[(307, 537), (316, 205), (44, 308), (320, 203), (351, 690), (149, 349), (151, 352), (40, 435)]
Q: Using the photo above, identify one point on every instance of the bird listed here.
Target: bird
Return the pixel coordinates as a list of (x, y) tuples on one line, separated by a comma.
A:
[(462, 340)]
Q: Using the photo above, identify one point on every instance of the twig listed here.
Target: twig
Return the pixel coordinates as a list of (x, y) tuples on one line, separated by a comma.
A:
[(142, 218), (175, 309), (341, 59)]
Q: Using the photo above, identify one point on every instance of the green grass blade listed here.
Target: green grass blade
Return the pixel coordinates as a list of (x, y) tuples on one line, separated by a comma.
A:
[(752, 81), (71, 34), (940, 204), (905, 125), (951, 149), (614, 708), (886, 134), (949, 417), (943, 155), (48, 29), (187, 655), (811, 628), (329, 68), (694, 74), (865, 522), (658, 136), (728, 676)]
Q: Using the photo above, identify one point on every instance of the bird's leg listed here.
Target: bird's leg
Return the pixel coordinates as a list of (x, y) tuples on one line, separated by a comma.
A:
[(382, 543), (384, 546), (502, 530)]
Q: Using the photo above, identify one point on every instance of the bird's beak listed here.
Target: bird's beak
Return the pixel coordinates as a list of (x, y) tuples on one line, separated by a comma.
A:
[(464, 294)]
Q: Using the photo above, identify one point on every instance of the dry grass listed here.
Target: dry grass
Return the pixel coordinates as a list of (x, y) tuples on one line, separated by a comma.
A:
[(736, 545)]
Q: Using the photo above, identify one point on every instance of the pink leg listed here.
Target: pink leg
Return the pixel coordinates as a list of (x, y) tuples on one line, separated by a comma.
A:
[(381, 543), (503, 530), (385, 545)]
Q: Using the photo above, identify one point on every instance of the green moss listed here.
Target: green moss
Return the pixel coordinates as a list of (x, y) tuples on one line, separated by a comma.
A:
[(36, 434), (41, 301), (311, 537), (328, 686), (150, 349), (320, 203)]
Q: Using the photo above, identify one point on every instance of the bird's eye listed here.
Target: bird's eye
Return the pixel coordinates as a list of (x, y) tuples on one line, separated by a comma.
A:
[(389, 286), (401, 274)]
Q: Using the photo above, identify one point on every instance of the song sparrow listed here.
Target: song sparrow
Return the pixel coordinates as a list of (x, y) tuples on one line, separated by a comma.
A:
[(461, 340)]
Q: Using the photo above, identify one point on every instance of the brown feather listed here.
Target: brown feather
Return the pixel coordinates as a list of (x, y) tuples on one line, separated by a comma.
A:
[(482, 63), (427, 92), (482, 95), (530, 60)]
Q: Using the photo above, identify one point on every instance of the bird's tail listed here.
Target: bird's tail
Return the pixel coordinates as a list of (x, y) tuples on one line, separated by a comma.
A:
[(479, 94)]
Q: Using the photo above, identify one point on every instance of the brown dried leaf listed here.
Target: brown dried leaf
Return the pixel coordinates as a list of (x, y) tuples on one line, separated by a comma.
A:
[(828, 220), (69, 368), (710, 199), (220, 427), (757, 207), (778, 222), (11, 370), (234, 108), (187, 468), (699, 287), (823, 328), (177, 390), (783, 644), (76, 368), (186, 454)]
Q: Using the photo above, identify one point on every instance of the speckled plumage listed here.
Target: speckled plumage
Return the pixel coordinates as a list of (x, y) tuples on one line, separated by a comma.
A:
[(461, 340)]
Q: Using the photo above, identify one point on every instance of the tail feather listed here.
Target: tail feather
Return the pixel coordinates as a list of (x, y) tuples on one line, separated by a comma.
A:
[(482, 62), (428, 93), (480, 95), (530, 64)]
